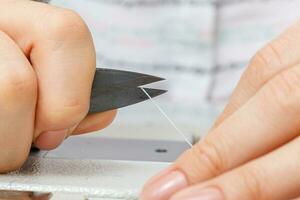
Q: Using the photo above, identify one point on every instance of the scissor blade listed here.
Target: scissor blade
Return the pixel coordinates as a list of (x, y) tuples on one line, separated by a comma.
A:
[(106, 78), (120, 97)]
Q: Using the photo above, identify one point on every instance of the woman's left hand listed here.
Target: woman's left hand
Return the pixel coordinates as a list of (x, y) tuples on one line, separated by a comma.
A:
[(253, 151)]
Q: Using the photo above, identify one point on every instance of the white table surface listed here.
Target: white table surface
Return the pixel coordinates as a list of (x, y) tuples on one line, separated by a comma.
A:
[(88, 178)]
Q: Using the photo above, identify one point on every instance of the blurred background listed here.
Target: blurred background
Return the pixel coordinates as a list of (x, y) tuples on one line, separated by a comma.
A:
[(201, 47)]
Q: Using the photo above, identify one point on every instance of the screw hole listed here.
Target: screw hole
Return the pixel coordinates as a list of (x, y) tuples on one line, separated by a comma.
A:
[(161, 150)]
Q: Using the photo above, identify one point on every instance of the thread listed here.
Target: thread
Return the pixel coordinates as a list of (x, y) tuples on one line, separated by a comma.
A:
[(168, 118)]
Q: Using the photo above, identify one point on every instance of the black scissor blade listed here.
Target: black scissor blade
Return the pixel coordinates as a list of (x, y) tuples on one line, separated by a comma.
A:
[(106, 78), (120, 97)]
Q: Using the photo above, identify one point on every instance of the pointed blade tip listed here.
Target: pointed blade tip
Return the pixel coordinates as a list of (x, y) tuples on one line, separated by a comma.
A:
[(155, 92)]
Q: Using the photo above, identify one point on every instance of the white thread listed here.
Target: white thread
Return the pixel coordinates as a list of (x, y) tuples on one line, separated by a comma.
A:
[(167, 117)]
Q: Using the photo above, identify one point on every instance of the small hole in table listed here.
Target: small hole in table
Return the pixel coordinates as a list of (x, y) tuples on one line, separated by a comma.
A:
[(161, 150)]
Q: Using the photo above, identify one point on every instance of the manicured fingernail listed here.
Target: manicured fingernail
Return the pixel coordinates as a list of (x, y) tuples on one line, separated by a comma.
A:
[(158, 175), (51, 139), (199, 194), (163, 185)]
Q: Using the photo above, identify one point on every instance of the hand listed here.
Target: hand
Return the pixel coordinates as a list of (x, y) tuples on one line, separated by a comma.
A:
[(47, 65), (253, 150)]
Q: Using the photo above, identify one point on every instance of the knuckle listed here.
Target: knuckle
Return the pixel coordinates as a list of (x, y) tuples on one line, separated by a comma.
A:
[(74, 106), (263, 64), (18, 82), (253, 76), (253, 180), (269, 56), (208, 155), (209, 152), (65, 112), (66, 24), (284, 90)]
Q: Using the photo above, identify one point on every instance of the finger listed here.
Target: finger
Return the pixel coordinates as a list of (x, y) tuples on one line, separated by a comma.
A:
[(273, 177), (95, 122), (18, 90), (69, 56), (280, 54), (268, 120), (91, 123), (61, 51)]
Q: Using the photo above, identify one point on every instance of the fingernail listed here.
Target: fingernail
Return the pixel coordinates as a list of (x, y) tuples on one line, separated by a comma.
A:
[(51, 139), (163, 185), (160, 174), (199, 194)]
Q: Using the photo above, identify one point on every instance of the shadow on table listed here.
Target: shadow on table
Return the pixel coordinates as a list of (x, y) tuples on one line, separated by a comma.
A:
[(17, 195)]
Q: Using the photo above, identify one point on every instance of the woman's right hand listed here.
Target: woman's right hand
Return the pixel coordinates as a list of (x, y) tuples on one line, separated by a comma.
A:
[(47, 66)]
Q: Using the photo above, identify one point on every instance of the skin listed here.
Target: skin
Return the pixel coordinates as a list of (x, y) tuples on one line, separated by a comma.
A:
[(47, 65), (252, 151)]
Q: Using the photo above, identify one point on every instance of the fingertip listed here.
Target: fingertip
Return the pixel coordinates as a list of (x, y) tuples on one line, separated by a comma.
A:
[(50, 139), (164, 185), (95, 122)]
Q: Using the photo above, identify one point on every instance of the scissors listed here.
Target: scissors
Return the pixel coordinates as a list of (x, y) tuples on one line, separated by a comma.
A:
[(114, 89)]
